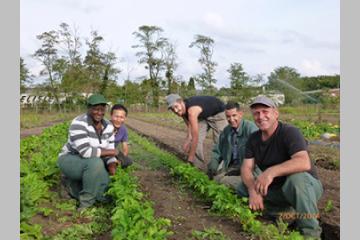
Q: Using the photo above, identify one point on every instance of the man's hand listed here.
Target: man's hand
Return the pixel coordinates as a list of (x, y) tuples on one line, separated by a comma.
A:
[(256, 201), (263, 181), (186, 146), (112, 168)]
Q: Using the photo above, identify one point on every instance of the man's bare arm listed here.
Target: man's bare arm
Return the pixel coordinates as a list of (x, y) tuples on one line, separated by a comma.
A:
[(299, 162), (193, 114), (255, 199)]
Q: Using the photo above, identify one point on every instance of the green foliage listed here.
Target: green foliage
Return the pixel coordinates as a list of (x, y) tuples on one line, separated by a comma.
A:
[(76, 231), (206, 79), (312, 130), (238, 77), (223, 200), (24, 75), (38, 172), (209, 234), (329, 206), (48, 56), (133, 217), (285, 80), (152, 45), (320, 82), (28, 231)]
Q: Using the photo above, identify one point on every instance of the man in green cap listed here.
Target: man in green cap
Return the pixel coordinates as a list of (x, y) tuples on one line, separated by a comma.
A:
[(90, 144)]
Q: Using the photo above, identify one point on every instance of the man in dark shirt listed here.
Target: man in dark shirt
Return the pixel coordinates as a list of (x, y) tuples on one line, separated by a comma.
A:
[(200, 113), (288, 178)]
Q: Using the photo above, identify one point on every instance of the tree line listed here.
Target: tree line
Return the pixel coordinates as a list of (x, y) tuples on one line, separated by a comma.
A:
[(67, 73)]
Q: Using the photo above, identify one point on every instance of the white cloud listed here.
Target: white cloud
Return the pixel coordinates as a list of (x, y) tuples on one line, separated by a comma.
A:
[(312, 67), (249, 32), (213, 20)]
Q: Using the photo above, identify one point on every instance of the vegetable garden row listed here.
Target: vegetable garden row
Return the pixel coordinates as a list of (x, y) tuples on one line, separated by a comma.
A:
[(131, 215)]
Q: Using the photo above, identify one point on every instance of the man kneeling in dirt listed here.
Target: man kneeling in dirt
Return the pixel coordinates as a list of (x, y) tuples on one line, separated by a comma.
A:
[(229, 152), (200, 113), (118, 115), (287, 183)]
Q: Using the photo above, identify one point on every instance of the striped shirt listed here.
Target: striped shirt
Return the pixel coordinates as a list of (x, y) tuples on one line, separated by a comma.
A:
[(83, 139)]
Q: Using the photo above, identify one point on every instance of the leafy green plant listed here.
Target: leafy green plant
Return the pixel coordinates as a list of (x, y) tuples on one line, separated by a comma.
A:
[(209, 234), (329, 206), (223, 200), (133, 217), (39, 173), (312, 130)]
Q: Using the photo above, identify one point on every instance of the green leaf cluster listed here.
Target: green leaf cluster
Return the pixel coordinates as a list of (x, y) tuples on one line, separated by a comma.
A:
[(133, 217), (224, 201)]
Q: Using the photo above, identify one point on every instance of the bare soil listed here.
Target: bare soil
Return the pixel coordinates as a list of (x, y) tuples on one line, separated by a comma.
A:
[(25, 132), (172, 140), (187, 213)]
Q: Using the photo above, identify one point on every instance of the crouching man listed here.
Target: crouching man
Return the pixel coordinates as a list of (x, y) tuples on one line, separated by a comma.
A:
[(288, 180), (229, 152)]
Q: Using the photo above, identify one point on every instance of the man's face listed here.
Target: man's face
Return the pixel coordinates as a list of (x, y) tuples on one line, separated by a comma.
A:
[(178, 108), (233, 116), (265, 117), (97, 112), (118, 117)]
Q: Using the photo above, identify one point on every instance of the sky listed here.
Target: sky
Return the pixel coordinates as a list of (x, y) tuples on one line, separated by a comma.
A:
[(260, 34)]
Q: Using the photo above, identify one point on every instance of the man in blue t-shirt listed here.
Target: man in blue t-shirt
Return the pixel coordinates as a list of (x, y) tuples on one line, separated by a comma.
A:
[(118, 116)]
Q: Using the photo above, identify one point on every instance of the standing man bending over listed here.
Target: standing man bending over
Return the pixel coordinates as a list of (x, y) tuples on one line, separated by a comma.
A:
[(229, 152), (200, 113), (288, 179)]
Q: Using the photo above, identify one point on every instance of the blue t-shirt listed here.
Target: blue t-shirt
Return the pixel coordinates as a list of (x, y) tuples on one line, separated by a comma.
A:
[(121, 135)]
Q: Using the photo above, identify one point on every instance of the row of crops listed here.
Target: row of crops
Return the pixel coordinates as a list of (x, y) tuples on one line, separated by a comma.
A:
[(131, 215), (310, 129)]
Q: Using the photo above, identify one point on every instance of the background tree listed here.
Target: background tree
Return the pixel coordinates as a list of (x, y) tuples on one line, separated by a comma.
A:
[(99, 66), (25, 78), (48, 56), (151, 48), (93, 63), (110, 73), (286, 80), (240, 83), (191, 90), (74, 76), (206, 79), (170, 66)]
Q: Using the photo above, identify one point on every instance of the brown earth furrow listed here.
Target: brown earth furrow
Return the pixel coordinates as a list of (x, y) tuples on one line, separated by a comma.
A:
[(172, 139)]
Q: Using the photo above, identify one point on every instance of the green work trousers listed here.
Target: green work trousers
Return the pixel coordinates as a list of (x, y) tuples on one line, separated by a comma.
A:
[(301, 191), (86, 178)]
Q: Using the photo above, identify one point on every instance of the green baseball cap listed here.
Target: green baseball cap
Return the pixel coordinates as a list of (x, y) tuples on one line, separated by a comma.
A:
[(96, 99)]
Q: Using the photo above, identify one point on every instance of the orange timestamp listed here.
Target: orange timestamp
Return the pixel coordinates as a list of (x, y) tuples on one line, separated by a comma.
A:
[(297, 215)]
